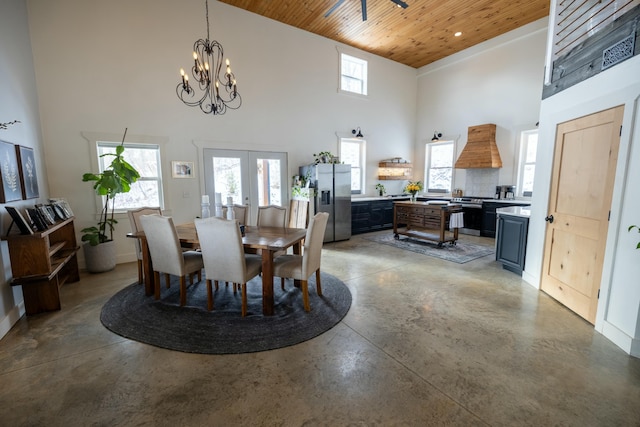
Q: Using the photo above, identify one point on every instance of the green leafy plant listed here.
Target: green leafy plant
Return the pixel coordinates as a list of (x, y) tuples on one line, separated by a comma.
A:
[(631, 227), (381, 189), (325, 157), (115, 179)]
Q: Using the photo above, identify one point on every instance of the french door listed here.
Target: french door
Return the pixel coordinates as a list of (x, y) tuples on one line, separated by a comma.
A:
[(253, 178)]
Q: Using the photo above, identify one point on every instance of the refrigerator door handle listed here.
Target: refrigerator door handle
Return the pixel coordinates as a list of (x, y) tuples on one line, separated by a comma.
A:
[(325, 197)]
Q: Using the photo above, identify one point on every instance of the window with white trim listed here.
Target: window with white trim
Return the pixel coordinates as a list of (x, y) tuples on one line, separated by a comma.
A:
[(438, 174), (527, 161), (147, 191), (353, 74), (352, 152)]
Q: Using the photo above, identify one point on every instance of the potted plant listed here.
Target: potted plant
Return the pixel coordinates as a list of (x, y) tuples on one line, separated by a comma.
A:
[(381, 189), (99, 247)]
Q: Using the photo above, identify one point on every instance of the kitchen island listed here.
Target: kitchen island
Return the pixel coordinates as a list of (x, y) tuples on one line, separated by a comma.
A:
[(425, 221)]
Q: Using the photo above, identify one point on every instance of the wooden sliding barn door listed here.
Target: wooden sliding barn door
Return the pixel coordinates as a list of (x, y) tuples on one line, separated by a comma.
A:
[(586, 152)]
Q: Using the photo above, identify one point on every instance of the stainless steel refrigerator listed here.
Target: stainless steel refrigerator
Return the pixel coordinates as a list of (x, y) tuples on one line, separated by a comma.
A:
[(332, 184)]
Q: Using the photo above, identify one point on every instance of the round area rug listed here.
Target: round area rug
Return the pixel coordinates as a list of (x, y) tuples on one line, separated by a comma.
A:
[(194, 329)]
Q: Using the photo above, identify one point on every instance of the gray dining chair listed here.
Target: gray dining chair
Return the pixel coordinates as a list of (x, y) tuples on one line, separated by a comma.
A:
[(223, 256), (134, 219), (300, 267), (166, 254)]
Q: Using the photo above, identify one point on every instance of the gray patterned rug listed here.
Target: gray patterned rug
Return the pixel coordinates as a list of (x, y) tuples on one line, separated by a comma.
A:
[(459, 253), (193, 329)]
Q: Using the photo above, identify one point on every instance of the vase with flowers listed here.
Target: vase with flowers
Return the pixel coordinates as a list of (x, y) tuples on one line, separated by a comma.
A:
[(413, 188)]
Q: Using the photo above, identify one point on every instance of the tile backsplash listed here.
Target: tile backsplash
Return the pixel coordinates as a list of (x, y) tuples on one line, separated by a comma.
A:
[(481, 182)]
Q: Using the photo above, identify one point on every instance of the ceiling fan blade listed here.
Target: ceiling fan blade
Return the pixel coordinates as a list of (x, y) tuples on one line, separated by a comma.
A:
[(401, 3), (335, 6), (364, 9)]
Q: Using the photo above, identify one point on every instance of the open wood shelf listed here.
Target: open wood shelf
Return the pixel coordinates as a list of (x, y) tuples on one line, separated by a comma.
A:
[(42, 262)]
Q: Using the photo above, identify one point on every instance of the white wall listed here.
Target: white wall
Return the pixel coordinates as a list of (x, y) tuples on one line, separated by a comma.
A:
[(18, 101), (498, 81), (103, 66), (618, 315)]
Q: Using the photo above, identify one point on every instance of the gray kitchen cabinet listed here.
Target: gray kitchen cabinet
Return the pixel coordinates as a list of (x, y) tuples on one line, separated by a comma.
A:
[(511, 241)]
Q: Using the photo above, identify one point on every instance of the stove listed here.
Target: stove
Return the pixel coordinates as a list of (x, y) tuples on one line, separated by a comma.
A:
[(472, 209), (468, 202)]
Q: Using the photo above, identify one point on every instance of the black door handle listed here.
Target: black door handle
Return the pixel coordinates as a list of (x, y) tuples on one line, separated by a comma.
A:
[(549, 219)]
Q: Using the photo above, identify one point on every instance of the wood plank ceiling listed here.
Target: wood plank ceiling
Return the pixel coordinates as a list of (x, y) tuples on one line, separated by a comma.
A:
[(415, 36)]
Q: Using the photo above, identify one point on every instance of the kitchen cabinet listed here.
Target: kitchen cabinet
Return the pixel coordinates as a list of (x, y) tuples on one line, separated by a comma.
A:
[(371, 215), (511, 239), (489, 215)]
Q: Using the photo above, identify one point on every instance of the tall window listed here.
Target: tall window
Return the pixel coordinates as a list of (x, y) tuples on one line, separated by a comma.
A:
[(353, 74), (439, 167), (527, 163), (147, 191), (352, 152)]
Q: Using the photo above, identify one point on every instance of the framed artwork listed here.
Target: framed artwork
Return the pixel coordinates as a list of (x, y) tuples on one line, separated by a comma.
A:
[(10, 188), (19, 220), (181, 169), (28, 175)]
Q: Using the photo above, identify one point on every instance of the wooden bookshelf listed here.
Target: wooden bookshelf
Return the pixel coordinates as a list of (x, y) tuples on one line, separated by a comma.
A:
[(42, 262)]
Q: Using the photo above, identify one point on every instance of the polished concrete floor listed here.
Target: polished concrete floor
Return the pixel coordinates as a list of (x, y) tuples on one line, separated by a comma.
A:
[(426, 342)]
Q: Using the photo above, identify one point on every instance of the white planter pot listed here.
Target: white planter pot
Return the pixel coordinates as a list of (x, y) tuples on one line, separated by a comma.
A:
[(100, 258)]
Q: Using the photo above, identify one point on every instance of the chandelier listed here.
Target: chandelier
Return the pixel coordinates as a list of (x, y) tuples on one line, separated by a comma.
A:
[(217, 90)]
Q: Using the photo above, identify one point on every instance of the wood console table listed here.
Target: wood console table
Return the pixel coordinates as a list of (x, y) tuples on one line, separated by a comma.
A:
[(425, 221), (42, 262)]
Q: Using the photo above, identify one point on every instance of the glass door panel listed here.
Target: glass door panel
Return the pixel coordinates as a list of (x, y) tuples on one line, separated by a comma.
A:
[(253, 178)]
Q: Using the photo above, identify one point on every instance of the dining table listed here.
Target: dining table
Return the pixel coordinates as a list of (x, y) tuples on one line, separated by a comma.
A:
[(268, 240)]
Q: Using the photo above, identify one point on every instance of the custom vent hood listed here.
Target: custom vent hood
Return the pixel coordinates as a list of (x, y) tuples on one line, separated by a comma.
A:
[(481, 150)]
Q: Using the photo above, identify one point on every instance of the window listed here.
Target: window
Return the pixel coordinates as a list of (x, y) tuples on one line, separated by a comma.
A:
[(527, 164), (439, 167), (352, 152), (147, 191), (353, 74)]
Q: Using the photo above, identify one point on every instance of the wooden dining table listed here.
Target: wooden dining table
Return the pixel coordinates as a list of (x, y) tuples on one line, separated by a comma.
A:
[(268, 239)]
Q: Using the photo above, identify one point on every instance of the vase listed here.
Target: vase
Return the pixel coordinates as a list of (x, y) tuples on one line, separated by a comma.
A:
[(413, 197)]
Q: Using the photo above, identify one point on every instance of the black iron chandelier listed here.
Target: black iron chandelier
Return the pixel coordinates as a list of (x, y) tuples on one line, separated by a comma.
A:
[(218, 89)]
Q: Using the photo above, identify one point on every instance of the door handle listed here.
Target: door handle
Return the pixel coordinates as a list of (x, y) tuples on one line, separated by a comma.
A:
[(549, 219)]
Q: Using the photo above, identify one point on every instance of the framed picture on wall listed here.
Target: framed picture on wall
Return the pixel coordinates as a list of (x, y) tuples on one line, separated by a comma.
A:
[(181, 169), (10, 188), (28, 174)]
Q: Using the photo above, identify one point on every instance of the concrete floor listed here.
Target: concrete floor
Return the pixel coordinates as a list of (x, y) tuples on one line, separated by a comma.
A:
[(426, 342)]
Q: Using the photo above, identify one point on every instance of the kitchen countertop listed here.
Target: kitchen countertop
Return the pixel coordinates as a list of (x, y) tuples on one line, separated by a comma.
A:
[(523, 211)]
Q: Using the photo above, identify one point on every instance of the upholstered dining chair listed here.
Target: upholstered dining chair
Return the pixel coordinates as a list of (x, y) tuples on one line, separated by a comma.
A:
[(272, 216), (166, 254), (134, 219), (300, 267), (240, 212), (225, 262)]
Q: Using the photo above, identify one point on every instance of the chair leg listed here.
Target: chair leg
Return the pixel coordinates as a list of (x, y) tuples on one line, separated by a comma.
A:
[(216, 283), (210, 295), (235, 288), (167, 279), (156, 279), (183, 290), (140, 276), (305, 295), (282, 283), (244, 299), (191, 278), (318, 284), (199, 275)]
